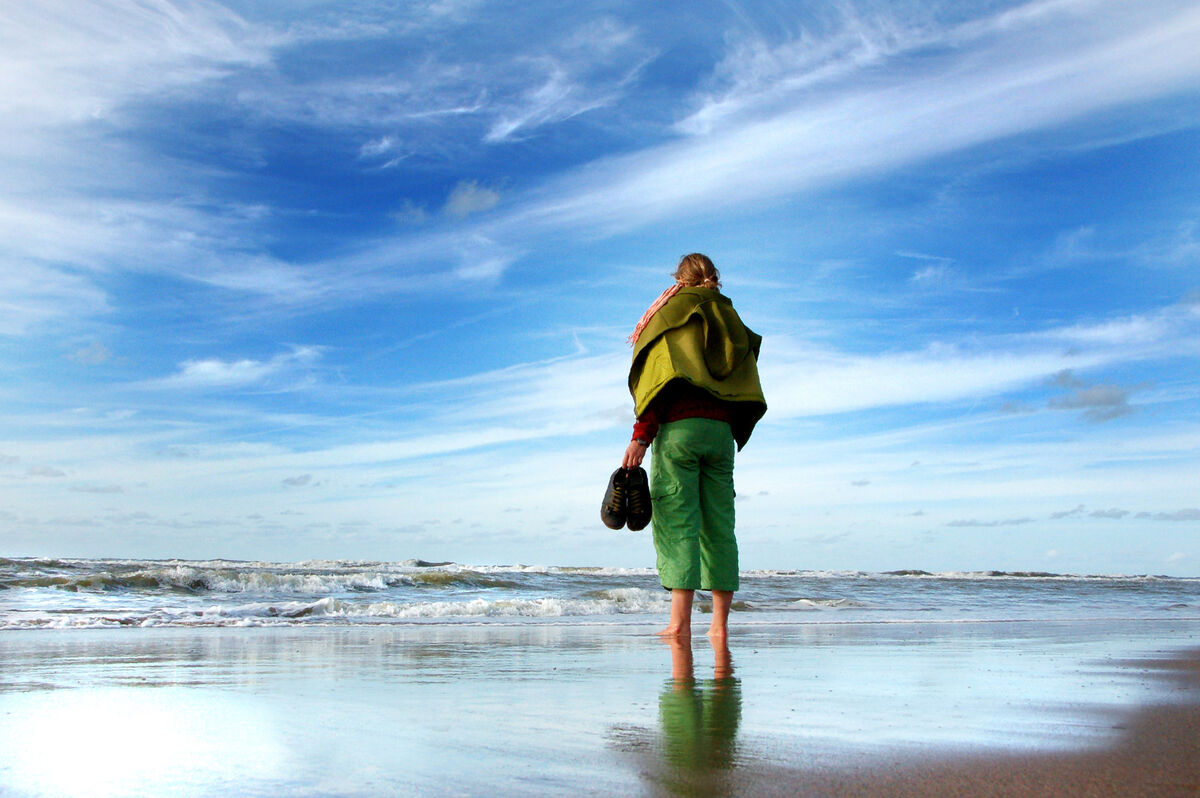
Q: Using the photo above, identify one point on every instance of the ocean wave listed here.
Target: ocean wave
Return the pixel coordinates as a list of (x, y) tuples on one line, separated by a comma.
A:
[(617, 601), (1027, 575), (225, 575), (209, 577), (826, 604)]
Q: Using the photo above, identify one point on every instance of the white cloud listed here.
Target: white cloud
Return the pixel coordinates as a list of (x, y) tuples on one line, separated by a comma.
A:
[(488, 268), (97, 488), (999, 77), (217, 373), (62, 64), (1130, 330), (1077, 510), (469, 197), (1007, 76), (443, 101), (56, 244), (934, 277), (411, 213), (1099, 402), (1016, 80), (803, 381), (1112, 512), (557, 99), (92, 354), (570, 79), (32, 295), (44, 471), (1186, 514), (584, 392), (756, 74), (972, 522), (378, 147), (213, 372)]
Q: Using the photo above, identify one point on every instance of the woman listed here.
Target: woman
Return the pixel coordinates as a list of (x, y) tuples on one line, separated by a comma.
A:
[(696, 394)]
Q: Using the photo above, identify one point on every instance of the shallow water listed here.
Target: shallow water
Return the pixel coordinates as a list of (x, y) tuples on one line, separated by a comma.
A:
[(541, 708)]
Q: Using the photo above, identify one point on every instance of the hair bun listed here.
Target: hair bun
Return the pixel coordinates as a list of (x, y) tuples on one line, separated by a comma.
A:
[(696, 269)]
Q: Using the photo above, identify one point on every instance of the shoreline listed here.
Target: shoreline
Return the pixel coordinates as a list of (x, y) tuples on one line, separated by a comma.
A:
[(1156, 754), (985, 708)]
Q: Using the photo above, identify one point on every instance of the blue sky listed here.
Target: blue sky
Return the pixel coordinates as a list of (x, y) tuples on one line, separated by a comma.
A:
[(352, 279)]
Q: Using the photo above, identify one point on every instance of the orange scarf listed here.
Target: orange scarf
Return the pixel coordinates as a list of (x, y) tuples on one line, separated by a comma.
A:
[(650, 311)]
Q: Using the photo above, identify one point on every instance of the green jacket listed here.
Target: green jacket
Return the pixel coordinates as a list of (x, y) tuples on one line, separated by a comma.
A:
[(697, 336)]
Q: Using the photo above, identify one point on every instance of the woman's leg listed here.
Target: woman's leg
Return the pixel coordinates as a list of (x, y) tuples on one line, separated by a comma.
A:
[(674, 493), (718, 544), (680, 624), (719, 628)]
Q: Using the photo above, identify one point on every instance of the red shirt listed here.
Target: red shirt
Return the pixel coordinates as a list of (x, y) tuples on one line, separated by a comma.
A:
[(679, 399)]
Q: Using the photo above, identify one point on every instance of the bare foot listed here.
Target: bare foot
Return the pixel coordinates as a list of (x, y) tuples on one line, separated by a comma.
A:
[(680, 623), (722, 660), (718, 634), (674, 631)]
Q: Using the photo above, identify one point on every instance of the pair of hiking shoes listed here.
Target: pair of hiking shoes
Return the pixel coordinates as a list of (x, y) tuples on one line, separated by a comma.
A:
[(627, 500)]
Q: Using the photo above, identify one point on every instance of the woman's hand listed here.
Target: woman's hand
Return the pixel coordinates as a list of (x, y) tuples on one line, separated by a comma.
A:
[(633, 455)]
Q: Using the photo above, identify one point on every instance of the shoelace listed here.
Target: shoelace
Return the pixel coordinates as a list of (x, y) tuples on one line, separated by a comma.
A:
[(617, 499), (636, 502)]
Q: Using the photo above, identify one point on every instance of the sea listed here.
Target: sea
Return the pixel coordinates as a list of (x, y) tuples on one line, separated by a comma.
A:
[(45, 593)]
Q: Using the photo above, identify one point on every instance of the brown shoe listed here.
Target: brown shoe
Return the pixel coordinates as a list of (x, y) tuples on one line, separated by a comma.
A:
[(637, 487), (613, 511)]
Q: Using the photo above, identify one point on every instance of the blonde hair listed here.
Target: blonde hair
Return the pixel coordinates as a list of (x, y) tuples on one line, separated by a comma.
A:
[(697, 270)]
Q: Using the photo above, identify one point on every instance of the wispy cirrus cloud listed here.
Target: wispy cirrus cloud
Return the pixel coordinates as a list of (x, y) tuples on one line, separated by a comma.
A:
[(813, 380), (234, 182), (587, 70), (1003, 76), (63, 64), (75, 86), (32, 295), (585, 392), (1017, 80), (761, 73), (505, 86)]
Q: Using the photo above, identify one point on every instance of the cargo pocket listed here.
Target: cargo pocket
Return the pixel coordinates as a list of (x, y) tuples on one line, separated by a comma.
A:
[(669, 489)]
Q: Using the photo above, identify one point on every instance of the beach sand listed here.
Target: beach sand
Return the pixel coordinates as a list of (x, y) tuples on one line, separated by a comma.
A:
[(1155, 752), (1029, 708)]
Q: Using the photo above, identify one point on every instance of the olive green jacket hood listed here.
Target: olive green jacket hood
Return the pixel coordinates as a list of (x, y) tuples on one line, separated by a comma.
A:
[(698, 336)]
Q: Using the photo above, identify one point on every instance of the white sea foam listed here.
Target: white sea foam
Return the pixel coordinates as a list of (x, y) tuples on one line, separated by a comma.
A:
[(48, 593), (369, 569), (826, 604), (239, 581), (618, 601), (196, 577)]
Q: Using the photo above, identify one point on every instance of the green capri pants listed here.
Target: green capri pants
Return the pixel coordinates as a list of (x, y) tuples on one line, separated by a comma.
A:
[(691, 489)]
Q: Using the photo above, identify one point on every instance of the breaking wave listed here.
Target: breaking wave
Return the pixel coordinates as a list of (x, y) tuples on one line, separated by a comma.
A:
[(619, 601), (68, 593), (217, 579)]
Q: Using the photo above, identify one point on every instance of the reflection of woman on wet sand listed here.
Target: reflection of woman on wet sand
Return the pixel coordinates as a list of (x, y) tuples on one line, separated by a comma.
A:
[(699, 723), (694, 751), (696, 393)]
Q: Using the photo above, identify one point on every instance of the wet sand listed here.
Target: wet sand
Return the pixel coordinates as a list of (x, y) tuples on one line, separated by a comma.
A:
[(1156, 752), (1032, 708)]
